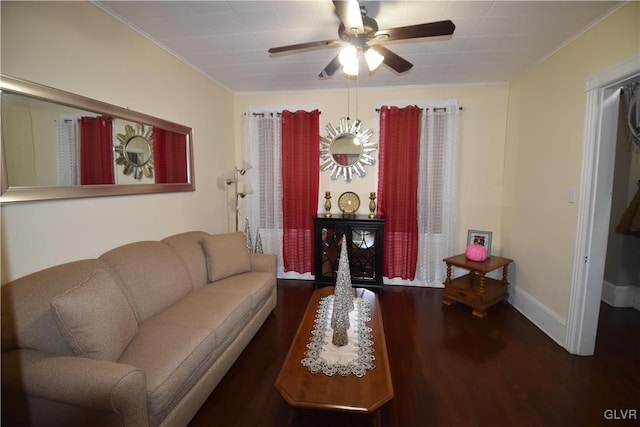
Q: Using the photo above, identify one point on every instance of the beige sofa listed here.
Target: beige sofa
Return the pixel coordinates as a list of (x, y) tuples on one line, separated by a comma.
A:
[(138, 337)]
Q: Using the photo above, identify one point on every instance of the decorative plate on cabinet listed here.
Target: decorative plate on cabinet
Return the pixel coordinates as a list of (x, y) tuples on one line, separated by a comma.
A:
[(348, 202)]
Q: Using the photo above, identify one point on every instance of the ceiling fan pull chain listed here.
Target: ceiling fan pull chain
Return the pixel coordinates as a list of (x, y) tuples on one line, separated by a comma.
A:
[(357, 101), (348, 97)]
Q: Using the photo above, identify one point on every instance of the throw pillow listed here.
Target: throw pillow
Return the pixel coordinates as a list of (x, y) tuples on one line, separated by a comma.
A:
[(226, 255), (96, 318)]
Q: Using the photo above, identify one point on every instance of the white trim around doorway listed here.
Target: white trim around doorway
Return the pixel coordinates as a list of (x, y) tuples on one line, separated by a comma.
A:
[(594, 205)]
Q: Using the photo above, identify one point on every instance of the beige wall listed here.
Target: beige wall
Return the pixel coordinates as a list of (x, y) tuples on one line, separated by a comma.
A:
[(543, 156), (481, 150), (74, 46)]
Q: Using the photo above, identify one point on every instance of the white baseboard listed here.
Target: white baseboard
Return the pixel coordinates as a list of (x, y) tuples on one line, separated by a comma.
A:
[(621, 296), (541, 316)]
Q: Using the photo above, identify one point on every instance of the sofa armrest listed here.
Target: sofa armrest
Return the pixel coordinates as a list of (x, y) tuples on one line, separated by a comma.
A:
[(90, 384), (264, 262)]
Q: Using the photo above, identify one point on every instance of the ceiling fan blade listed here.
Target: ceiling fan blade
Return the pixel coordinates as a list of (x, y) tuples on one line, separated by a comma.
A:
[(431, 29), (349, 13), (331, 68), (299, 46), (391, 59)]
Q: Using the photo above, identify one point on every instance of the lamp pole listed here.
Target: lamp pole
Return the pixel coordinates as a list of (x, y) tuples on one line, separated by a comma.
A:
[(236, 177)]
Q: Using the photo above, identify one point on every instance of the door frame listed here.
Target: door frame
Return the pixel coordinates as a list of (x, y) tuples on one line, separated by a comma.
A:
[(594, 208)]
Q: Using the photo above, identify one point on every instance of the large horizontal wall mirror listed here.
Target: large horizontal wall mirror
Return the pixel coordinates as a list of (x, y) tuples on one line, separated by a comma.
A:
[(57, 145), (346, 149)]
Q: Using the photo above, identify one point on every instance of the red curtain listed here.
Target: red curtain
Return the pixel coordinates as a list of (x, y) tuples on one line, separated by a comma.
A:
[(169, 156), (300, 183), (398, 189), (96, 151)]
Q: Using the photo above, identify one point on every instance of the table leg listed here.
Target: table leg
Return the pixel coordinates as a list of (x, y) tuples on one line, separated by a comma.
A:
[(505, 273), (447, 282), (481, 274), (479, 313)]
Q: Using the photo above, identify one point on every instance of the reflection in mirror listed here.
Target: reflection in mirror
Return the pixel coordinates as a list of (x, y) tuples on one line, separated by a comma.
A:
[(41, 141), (135, 151), (59, 145), (346, 149)]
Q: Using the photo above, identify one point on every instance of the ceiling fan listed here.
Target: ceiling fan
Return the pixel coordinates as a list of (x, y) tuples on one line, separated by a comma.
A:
[(357, 29)]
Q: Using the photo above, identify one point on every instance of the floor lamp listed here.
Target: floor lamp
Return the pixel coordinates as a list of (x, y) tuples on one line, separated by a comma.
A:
[(237, 172)]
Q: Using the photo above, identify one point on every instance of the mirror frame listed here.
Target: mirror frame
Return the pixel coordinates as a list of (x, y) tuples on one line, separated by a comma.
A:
[(356, 132), (45, 93)]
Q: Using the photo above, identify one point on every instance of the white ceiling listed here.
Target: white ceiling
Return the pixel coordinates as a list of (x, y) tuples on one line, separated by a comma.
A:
[(494, 41)]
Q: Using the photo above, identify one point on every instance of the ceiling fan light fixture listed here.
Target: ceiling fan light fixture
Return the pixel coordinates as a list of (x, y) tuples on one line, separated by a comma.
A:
[(373, 59), (357, 29), (348, 56), (349, 59), (351, 69)]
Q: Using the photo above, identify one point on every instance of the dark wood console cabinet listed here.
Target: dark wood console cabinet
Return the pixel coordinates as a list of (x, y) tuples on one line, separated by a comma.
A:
[(365, 243)]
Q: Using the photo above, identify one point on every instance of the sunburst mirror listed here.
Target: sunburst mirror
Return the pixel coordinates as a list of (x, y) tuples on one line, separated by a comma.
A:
[(346, 150), (135, 151)]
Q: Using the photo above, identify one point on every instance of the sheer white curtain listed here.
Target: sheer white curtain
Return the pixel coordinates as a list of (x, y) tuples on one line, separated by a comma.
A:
[(264, 206), (68, 130), (263, 150), (437, 191)]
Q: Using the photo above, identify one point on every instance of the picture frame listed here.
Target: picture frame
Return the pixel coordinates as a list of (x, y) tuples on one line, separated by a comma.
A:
[(480, 237)]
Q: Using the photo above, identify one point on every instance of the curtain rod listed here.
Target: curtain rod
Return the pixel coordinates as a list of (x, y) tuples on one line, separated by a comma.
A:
[(272, 114), (66, 120), (264, 114), (434, 109)]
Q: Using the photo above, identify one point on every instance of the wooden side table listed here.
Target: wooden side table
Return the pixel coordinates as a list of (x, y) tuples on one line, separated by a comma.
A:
[(474, 289)]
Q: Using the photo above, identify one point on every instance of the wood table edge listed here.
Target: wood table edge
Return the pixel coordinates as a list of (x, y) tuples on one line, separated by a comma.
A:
[(312, 305)]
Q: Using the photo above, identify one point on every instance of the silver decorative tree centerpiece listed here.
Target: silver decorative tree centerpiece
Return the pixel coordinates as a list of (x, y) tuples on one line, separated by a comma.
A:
[(342, 299)]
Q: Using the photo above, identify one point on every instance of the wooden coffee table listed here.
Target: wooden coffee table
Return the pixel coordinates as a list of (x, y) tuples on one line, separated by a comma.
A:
[(302, 389)]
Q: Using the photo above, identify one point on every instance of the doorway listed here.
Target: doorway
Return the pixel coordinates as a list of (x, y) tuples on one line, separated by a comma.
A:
[(622, 264), (596, 181)]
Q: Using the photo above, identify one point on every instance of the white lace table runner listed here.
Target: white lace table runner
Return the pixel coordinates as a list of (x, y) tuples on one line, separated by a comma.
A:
[(354, 358)]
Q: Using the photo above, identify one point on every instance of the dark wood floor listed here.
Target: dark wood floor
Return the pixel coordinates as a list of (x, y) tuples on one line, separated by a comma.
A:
[(449, 369)]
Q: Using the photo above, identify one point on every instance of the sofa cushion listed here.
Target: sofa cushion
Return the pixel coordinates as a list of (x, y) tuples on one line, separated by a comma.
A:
[(187, 245), (258, 286), (27, 318), (152, 275), (173, 357), (95, 318), (224, 313), (175, 346), (226, 255)]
